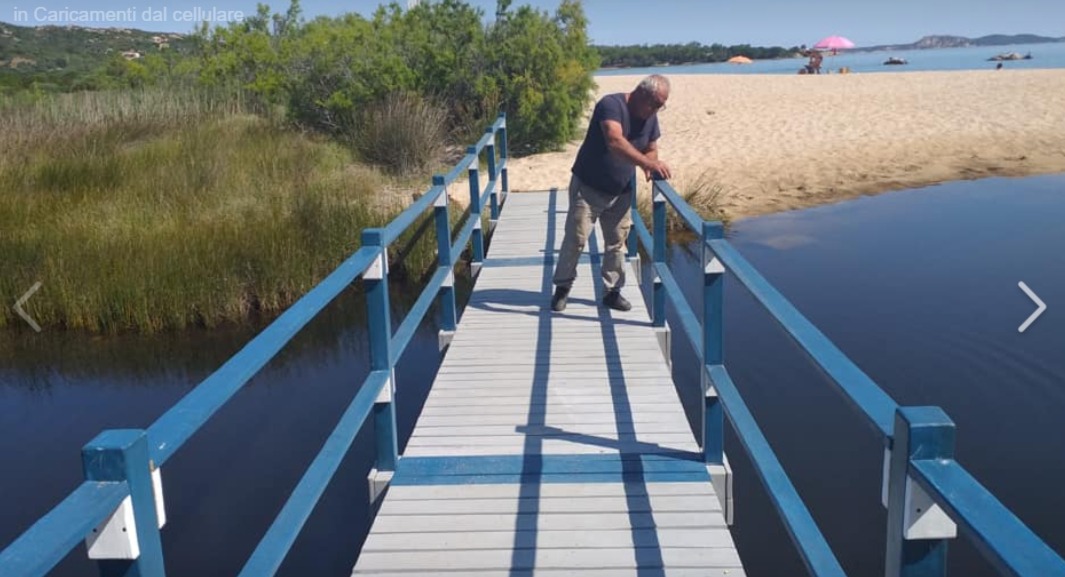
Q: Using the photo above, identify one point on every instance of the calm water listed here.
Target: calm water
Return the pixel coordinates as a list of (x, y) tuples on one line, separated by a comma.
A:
[(918, 287), (1043, 56)]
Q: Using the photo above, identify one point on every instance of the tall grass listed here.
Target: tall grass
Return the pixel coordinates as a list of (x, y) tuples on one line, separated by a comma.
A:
[(704, 193), (157, 210), (404, 134)]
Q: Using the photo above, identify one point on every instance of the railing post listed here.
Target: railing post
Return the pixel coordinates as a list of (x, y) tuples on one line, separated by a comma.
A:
[(380, 332), (490, 149), (504, 185), (713, 344), (658, 297), (449, 314), (477, 239), (918, 529), (122, 549)]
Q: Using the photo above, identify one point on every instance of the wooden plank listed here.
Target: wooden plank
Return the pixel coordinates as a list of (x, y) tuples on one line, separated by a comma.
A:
[(586, 504), (612, 429), (543, 521), (519, 380), (540, 446), (431, 492), (615, 539), (573, 559), (643, 572), (446, 419)]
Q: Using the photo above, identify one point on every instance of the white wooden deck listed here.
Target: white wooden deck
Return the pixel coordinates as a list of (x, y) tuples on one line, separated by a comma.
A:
[(551, 443)]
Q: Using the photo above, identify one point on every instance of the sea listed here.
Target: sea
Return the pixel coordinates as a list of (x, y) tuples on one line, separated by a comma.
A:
[(971, 58)]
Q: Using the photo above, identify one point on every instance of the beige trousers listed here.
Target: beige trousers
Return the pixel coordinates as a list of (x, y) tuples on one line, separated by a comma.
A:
[(586, 206)]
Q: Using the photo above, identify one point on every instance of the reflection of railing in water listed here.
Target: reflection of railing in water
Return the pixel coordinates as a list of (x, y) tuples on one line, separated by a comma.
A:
[(119, 511), (927, 493)]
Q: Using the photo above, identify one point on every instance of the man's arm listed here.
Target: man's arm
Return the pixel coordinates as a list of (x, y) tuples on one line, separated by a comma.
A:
[(651, 152), (618, 144)]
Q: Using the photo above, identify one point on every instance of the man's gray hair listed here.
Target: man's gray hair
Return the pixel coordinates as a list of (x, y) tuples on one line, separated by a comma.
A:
[(654, 84)]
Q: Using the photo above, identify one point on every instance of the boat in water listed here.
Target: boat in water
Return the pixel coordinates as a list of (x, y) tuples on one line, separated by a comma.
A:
[(895, 61), (1010, 56)]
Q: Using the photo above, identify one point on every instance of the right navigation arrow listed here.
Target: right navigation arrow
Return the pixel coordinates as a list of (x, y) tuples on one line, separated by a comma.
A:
[(1039, 311)]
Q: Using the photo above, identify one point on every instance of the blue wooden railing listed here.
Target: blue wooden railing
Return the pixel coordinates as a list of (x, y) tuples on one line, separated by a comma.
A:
[(927, 493), (124, 464)]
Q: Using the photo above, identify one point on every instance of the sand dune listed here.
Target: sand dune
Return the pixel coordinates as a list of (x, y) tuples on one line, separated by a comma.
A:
[(784, 142)]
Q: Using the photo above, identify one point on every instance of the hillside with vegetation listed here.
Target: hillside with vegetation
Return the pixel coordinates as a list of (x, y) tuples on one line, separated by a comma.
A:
[(635, 56), (224, 178), (66, 58)]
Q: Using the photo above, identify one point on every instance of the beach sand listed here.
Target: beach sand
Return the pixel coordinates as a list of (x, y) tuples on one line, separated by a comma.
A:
[(775, 143)]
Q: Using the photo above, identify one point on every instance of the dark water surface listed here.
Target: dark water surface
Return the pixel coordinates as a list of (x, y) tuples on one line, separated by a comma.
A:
[(919, 288)]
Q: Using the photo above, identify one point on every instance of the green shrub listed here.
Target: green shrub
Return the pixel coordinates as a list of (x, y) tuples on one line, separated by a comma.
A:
[(404, 134)]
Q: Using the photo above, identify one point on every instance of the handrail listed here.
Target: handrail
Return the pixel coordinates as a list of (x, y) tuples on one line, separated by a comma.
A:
[(61, 528), (53, 536), (1012, 548)]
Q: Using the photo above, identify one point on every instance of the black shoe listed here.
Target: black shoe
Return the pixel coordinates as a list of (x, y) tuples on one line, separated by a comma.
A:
[(558, 302), (614, 300)]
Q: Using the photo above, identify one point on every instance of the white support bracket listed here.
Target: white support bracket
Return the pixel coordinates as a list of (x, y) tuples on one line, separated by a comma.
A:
[(378, 269), (441, 199), (116, 537), (378, 482), (658, 197), (922, 517), (444, 338), (387, 392), (665, 339), (721, 478), (714, 266)]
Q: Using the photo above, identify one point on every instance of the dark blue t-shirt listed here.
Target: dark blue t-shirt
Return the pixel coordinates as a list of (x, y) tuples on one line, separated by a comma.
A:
[(599, 168)]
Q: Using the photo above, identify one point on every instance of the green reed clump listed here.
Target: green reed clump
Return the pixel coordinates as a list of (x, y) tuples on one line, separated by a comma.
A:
[(703, 193), (162, 210)]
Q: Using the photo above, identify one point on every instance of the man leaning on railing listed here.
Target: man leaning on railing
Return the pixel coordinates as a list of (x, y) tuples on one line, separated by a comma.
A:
[(622, 134)]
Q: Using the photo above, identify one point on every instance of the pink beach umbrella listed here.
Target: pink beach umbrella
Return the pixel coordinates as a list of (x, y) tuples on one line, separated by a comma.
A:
[(834, 43)]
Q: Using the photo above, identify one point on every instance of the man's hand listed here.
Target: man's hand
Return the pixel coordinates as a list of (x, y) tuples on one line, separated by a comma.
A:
[(655, 165)]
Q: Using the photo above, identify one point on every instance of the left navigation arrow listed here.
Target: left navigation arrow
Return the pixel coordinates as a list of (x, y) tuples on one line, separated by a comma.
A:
[(22, 301)]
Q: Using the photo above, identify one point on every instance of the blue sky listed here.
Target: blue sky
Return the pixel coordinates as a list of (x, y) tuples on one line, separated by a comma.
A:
[(759, 22)]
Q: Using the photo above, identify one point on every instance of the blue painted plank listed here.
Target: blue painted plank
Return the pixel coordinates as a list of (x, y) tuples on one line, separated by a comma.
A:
[(557, 478), (121, 455), (688, 321), (920, 433), (551, 464), (687, 214), (414, 317), (642, 233), (464, 236), (174, 427), (547, 259), (486, 195), (856, 386), (454, 173), (410, 215), (275, 544), (54, 535), (800, 525), (1010, 546)]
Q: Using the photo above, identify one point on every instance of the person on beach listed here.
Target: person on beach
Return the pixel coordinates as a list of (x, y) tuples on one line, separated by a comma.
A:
[(623, 134)]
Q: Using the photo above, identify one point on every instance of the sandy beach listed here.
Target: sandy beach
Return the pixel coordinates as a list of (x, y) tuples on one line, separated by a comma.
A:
[(777, 143)]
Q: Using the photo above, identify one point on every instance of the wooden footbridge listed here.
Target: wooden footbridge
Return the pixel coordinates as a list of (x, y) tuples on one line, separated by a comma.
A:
[(565, 451)]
